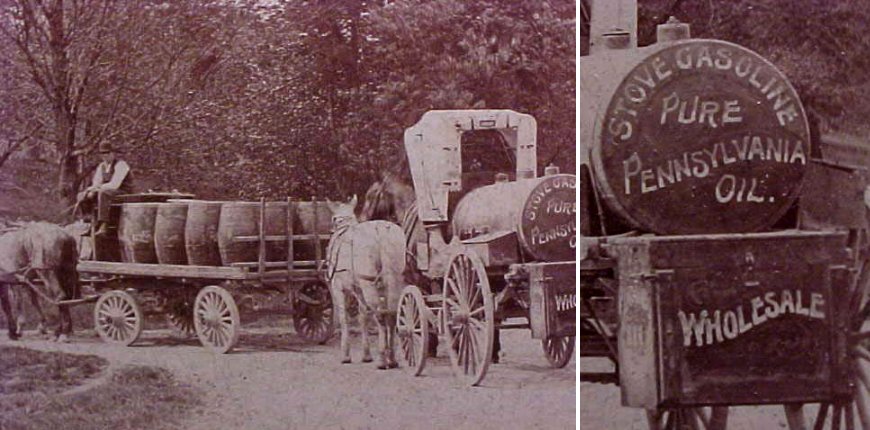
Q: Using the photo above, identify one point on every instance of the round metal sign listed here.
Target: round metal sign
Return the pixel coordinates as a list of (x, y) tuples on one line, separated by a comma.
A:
[(702, 136)]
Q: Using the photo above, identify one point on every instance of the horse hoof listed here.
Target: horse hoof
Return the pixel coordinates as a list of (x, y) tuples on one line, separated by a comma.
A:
[(383, 367), (346, 361), (367, 360), (62, 339), (14, 336), (392, 365)]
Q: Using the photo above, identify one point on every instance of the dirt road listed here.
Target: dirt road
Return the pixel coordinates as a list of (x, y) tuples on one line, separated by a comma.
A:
[(276, 381)]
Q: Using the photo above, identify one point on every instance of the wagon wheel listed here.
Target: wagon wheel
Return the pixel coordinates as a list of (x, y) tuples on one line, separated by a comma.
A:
[(412, 324), (118, 318), (179, 314), (853, 411), (468, 315), (313, 313), (711, 418), (216, 319), (558, 350)]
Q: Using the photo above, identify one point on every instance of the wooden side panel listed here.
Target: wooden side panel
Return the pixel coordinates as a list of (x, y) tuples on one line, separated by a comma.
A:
[(552, 299)]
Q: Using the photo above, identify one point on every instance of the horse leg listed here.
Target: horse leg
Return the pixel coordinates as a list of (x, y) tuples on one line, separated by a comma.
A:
[(18, 296), (391, 340), (383, 362), (52, 282), (11, 323), (341, 305), (496, 347), (66, 324), (364, 327), (34, 300)]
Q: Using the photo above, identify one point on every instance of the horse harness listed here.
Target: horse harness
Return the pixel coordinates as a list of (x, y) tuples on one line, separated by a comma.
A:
[(332, 251)]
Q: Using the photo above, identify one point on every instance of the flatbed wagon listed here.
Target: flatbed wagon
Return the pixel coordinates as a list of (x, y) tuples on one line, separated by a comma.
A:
[(205, 299)]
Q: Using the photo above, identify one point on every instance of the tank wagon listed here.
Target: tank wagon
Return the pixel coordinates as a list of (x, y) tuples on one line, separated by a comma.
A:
[(196, 261), (496, 240), (723, 260)]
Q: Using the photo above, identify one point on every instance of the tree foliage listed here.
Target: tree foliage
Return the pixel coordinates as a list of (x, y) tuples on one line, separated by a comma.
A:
[(821, 45), (244, 99)]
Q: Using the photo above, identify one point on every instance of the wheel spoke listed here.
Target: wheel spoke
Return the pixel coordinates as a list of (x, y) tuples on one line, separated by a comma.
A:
[(861, 400), (454, 306), (861, 352), (850, 416), (452, 288)]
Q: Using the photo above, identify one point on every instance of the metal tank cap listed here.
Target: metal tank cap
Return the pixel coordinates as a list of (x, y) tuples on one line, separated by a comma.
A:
[(672, 30), (551, 170), (617, 38)]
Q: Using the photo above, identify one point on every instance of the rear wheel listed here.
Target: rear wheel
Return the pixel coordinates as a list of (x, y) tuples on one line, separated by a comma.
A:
[(710, 418), (851, 411), (468, 312), (216, 319), (412, 325), (118, 318), (179, 313), (558, 350)]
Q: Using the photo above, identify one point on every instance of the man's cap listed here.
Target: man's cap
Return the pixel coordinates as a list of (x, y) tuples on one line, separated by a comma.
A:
[(106, 147)]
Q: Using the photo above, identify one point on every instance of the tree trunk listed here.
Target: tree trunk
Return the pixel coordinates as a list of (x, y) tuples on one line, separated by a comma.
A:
[(64, 116)]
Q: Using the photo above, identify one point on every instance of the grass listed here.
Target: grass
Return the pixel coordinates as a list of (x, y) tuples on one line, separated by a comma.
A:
[(34, 393)]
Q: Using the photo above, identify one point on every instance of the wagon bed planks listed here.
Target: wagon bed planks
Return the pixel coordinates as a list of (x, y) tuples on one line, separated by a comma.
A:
[(163, 270)]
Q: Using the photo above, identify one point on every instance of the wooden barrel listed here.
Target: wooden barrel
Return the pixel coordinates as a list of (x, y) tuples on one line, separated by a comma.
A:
[(136, 232), (242, 219), (201, 233), (169, 233), (308, 218)]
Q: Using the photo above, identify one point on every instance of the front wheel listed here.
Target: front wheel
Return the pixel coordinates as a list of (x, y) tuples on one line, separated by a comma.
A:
[(216, 319), (313, 313), (412, 325), (118, 318)]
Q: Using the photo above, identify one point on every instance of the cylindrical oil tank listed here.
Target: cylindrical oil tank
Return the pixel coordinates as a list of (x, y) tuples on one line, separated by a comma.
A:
[(541, 211), (692, 136), (169, 232), (201, 233), (136, 232), (242, 219)]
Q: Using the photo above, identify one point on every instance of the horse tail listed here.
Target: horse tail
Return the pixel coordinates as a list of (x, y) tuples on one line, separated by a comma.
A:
[(68, 275), (392, 261)]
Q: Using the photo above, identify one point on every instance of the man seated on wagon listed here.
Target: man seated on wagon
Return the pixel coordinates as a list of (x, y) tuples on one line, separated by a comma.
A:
[(112, 177)]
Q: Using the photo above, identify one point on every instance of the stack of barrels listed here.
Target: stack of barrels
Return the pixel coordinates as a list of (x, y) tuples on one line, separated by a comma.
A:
[(215, 233)]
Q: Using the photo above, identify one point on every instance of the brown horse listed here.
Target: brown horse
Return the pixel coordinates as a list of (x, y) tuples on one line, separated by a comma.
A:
[(393, 200), (44, 252)]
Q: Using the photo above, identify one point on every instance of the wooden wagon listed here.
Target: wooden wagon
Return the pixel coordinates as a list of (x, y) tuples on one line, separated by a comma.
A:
[(495, 240), (203, 298)]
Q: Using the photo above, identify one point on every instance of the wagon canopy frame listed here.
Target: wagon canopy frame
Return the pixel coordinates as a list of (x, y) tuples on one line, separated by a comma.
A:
[(433, 146)]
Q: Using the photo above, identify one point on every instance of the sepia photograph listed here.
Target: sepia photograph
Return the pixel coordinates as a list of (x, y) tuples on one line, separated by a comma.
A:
[(725, 187), (294, 214)]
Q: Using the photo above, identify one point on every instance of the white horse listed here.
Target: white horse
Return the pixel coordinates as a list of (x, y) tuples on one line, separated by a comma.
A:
[(366, 260)]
